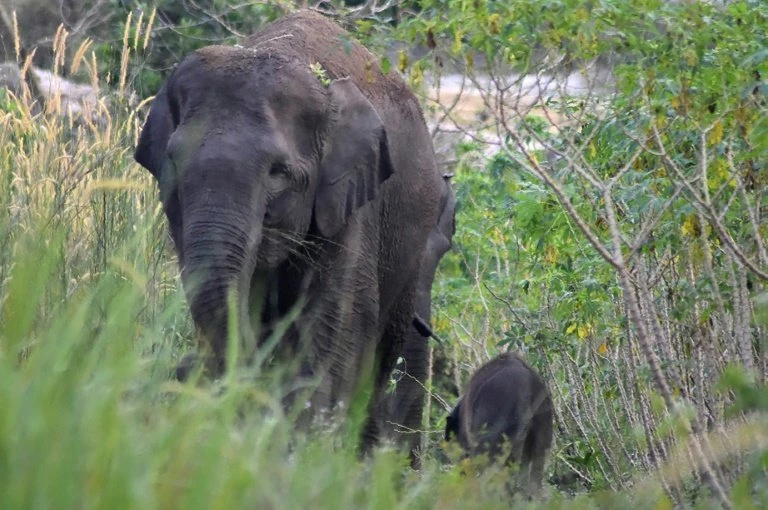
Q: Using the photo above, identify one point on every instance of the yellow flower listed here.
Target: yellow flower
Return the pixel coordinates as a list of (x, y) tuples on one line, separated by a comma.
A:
[(715, 135), (690, 57), (497, 236), (493, 23), (457, 41), (550, 254), (583, 331)]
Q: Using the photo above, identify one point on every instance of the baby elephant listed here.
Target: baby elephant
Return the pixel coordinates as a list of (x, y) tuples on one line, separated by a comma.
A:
[(506, 408)]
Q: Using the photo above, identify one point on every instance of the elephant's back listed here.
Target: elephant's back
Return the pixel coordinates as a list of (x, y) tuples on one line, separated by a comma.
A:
[(315, 39), (497, 394)]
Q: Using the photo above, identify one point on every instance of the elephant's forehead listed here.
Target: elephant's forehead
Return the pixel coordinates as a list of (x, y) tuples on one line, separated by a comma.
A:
[(255, 76)]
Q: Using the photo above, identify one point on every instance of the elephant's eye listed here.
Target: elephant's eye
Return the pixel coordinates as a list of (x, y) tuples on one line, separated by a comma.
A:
[(280, 178), (279, 170)]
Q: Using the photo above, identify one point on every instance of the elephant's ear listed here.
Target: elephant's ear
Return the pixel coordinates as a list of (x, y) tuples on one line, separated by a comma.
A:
[(355, 158), (151, 150), (452, 422), (446, 222)]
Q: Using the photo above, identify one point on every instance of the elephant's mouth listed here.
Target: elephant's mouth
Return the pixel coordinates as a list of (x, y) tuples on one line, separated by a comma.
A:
[(274, 248), (270, 299), (262, 302), (280, 247)]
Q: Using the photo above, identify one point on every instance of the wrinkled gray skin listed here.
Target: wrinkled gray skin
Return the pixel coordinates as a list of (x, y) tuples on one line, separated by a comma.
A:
[(297, 195), (406, 403), (506, 408)]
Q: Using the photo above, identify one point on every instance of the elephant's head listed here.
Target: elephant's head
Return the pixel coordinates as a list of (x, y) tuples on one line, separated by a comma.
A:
[(253, 156)]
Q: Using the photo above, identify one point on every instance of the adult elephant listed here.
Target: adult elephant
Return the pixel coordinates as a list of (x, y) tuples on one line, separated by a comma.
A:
[(299, 179), (405, 404)]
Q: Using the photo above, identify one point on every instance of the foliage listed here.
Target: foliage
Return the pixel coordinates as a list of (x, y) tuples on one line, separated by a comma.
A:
[(615, 234), (180, 28)]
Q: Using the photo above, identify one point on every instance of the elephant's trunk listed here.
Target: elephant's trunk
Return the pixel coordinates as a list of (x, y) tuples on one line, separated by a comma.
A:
[(219, 260), (221, 234)]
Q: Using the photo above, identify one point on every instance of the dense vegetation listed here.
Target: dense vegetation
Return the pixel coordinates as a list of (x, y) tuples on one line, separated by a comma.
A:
[(614, 234)]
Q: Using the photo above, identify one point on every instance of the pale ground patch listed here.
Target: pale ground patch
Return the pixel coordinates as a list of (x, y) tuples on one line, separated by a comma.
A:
[(62, 96), (459, 109)]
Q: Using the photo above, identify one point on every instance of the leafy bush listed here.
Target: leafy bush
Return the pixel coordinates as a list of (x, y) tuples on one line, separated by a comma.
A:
[(615, 235)]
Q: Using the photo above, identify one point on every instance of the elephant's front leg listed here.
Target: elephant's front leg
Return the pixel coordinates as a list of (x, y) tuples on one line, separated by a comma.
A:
[(339, 330)]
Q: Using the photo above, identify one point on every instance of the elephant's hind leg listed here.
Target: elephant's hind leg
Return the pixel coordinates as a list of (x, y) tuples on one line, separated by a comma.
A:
[(408, 399), (537, 443), (387, 352)]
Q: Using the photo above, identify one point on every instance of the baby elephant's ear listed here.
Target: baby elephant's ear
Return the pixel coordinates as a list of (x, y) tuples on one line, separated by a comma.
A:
[(355, 158), (452, 422), (151, 150)]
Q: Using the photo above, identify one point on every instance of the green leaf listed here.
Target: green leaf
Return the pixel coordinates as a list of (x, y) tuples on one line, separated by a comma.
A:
[(386, 65)]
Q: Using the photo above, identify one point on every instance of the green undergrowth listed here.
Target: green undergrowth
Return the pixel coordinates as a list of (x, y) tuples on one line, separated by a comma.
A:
[(91, 419)]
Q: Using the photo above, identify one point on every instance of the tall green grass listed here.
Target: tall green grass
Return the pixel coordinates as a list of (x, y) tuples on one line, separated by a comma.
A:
[(90, 420)]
